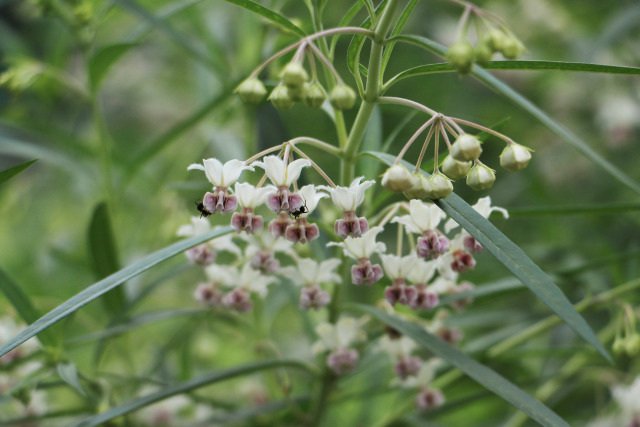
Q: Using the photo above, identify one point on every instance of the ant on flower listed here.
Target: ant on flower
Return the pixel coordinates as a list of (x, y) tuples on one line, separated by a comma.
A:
[(301, 210), (204, 212)]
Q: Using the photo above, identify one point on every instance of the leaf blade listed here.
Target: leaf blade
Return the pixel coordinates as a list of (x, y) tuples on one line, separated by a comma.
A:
[(99, 288), (270, 15), (9, 173), (482, 374), (103, 59)]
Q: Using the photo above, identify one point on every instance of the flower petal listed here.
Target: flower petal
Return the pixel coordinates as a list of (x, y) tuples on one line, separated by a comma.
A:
[(213, 171), (293, 171), (231, 171)]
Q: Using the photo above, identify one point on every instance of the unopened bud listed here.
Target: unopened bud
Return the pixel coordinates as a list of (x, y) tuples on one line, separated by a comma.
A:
[(397, 178), (251, 91), (494, 39), (419, 187), (280, 98), (465, 148), (455, 169), (439, 186), (619, 346), (461, 56), (632, 345), (515, 157), (512, 48), (482, 54), (294, 75), (315, 95), (481, 177), (342, 97)]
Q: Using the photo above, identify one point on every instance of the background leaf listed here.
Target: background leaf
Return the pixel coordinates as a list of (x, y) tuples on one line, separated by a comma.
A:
[(270, 15), (7, 174), (103, 59)]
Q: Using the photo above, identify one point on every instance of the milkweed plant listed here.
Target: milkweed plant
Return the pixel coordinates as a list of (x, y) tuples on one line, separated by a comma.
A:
[(339, 259)]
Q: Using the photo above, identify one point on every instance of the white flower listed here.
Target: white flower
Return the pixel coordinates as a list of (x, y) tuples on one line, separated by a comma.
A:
[(280, 175), (250, 196), (422, 272), (443, 264), (221, 274), (309, 272), (396, 347), (483, 207), (422, 217), (426, 374), (311, 197), (221, 176), (398, 267), (362, 247), (253, 281), (349, 198), (442, 285), (628, 399), (341, 335), (200, 226)]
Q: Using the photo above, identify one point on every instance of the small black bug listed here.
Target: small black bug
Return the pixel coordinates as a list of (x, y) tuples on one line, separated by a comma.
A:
[(301, 210), (204, 212)]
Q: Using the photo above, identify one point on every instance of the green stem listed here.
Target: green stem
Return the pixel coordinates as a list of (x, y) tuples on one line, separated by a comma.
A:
[(105, 149)]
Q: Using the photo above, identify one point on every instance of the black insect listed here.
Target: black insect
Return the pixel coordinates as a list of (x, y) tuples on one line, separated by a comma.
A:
[(301, 210), (204, 212)]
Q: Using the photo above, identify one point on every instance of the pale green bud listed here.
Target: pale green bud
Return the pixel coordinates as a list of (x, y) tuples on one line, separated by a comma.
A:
[(419, 187), (342, 97), (482, 54), (455, 169), (515, 157), (294, 75), (315, 95), (460, 55), (512, 48), (632, 345), (251, 91), (298, 93), (280, 98), (481, 177), (397, 178), (619, 346), (465, 148), (494, 39), (440, 186)]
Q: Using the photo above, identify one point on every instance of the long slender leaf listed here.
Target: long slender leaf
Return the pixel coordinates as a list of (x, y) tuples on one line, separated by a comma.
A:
[(102, 60), (482, 374), (69, 374), (104, 256), (270, 15), (193, 384), (105, 285), (402, 21), (498, 86), (7, 174), (355, 46), (351, 13), (514, 258), (23, 305), (517, 65)]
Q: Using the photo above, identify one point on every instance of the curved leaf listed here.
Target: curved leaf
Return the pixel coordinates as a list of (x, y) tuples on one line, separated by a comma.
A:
[(482, 374), (7, 174), (402, 21), (193, 384), (355, 46), (514, 258), (102, 60), (270, 15), (105, 285), (498, 86)]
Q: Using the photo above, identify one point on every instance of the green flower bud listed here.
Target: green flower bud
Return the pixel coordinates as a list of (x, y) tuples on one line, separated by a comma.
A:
[(397, 178), (481, 177), (315, 95), (515, 157), (512, 48), (440, 186), (294, 75), (298, 93), (460, 55), (465, 148), (342, 97), (280, 98), (251, 91), (455, 169), (494, 39), (619, 346), (482, 54), (419, 187), (632, 345)]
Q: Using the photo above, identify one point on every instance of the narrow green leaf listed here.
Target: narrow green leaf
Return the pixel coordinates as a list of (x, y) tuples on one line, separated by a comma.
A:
[(7, 174), (195, 52), (103, 59), (355, 47), (498, 86), (518, 65), (69, 374), (270, 15), (105, 285), (514, 259), (402, 21), (351, 13), (163, 14), (103, 255), (185, 387), (23, 305), (482, 374)]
